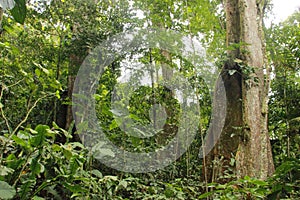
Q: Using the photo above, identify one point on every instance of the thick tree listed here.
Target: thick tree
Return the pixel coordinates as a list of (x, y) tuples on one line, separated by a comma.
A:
[(244, 137)]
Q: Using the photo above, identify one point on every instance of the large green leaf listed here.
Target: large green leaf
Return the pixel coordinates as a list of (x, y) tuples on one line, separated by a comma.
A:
[(4, 171), (19, 11), (39, 139), (6, 191)]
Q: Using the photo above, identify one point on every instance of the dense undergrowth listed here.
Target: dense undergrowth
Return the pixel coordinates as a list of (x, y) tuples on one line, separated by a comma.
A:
[(33, 166)]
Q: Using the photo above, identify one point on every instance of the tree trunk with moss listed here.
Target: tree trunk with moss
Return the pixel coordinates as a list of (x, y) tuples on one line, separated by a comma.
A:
[(244, 138)]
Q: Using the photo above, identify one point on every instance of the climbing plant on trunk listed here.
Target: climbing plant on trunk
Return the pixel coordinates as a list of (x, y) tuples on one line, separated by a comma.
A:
[(245, 74)]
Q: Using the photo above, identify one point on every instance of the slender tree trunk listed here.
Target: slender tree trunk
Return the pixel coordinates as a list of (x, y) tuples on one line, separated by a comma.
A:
[(169, 129), (75, 62), (245, 134), (76, 59)]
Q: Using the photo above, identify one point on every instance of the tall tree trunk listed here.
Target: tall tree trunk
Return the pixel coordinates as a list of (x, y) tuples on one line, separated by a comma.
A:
[(75, 62), (169, 128), (1, 18), (245, 134)]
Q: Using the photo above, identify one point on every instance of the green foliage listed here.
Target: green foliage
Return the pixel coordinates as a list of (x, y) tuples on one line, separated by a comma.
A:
[(37, 57), (37, 167), (285, 182), (19, 11), (245, 188), (283, 45), (6, 191)]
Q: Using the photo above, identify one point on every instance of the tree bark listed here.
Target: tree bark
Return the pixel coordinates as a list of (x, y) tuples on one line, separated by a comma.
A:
[(75, 63), (245, 133), (169, 129)]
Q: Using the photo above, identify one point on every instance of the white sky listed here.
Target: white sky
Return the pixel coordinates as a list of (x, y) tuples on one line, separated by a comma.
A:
[(282, 9)]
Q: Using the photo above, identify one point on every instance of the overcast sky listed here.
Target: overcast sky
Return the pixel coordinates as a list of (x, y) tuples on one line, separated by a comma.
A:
[(283, 8)]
